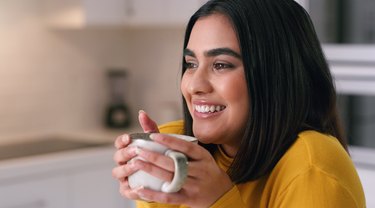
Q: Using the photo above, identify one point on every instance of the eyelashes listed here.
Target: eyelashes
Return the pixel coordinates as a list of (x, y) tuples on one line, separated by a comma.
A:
[(190, 65), (219, 66), (215, 66)]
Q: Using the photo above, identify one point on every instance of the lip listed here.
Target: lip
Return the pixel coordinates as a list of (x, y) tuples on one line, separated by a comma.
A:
[(205, 115), (205, 102)]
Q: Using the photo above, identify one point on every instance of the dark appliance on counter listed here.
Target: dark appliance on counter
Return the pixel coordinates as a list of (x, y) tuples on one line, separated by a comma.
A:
[(117, 112)]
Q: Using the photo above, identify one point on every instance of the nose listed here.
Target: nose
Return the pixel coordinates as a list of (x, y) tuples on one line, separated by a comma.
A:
[(200, 81)]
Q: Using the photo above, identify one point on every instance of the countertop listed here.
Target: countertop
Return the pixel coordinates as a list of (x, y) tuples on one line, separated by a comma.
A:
[(94, 135), (23, 147)]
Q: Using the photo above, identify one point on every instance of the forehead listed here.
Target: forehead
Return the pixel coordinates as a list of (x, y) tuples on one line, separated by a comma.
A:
[(213, 31)]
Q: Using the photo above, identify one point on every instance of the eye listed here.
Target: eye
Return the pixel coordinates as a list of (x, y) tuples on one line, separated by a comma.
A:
[(190, 65), (220, 66)]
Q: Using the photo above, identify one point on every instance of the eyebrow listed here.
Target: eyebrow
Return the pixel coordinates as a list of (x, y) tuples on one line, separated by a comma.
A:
[(214, 52)]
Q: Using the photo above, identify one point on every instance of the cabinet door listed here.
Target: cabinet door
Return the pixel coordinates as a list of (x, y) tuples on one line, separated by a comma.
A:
[(140, 12), (96, 188), (179, 11), (83, 13), (108, 12), (143, 12), (34, 193), (63, 14)]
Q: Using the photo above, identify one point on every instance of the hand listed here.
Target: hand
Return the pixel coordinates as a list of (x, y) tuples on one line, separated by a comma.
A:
[(125, 154), (205, 183)]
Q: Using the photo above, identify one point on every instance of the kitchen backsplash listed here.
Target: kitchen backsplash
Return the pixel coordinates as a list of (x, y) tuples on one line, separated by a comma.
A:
[(54, 80)]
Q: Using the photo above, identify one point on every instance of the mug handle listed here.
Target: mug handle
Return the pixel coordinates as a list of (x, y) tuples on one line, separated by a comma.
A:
[(180, 173)]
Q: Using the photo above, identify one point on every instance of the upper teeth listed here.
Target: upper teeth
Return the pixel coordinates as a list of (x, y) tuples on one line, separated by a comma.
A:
[(208, 108)]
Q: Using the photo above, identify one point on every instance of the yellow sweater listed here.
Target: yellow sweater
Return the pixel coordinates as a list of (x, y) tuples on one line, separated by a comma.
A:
[(316, 172)]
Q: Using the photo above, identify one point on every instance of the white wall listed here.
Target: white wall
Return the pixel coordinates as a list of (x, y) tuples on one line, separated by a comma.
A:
[(54, 80), (155, 59)]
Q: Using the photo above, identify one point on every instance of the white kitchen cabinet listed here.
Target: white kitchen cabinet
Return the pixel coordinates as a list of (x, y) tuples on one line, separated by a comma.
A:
[(35, 192), (96, 188), (367, 176), (364, 160), (74, 179), (126, 13)]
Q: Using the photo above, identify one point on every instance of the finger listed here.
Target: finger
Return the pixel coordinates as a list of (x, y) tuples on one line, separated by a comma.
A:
[(192, 150), (123, 155), (191, 185), (154, 170), (124, 181), (164, 198), (147, 124), (123, 171), (157, 159), (195, 169), (122, 141), (127, 192)]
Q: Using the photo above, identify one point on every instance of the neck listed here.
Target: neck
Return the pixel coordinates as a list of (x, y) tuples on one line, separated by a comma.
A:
[(229, 150)]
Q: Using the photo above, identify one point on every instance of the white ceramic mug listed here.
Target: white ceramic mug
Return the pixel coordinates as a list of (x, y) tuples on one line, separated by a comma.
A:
[(141, 178)]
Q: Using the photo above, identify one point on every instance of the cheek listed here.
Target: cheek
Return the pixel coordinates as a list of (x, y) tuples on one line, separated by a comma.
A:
[(242, 95), (235, 90), (184, 88), (238, 99)]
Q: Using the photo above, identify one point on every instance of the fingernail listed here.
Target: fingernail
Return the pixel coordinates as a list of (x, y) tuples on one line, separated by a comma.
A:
[(152, 136), (141, 111), (125, 138), (137, 150), (156, 136)]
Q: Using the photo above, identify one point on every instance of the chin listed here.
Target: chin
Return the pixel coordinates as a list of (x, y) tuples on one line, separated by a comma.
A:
[(203, 137)]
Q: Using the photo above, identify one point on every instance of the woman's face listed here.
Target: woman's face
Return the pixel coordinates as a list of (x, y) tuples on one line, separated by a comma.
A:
[(214, 84)]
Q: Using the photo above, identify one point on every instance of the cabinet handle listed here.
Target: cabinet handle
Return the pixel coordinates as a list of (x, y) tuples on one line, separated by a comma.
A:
[(40, 203)]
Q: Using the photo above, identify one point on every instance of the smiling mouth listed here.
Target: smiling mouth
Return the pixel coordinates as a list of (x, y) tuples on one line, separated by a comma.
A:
[(208, 108)]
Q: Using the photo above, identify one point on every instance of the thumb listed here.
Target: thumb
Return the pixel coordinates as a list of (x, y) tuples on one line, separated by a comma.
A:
[(147, 124)]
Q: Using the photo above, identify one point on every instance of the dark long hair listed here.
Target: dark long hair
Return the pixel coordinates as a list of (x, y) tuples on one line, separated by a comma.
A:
[(288, 79)]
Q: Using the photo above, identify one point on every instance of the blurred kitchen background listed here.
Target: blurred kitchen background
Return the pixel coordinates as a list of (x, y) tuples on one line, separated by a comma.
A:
[(64, 64), (54, 61)]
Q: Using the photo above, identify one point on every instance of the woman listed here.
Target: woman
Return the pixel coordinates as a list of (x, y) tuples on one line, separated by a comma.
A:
[(259, 96)]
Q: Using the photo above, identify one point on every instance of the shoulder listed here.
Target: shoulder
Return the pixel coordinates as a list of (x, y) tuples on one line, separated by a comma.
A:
[(317, 160), (313, 148), (173, 127), (321, 151)]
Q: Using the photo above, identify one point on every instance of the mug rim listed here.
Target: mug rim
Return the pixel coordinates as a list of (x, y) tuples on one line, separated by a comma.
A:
[(142, 136), (146, 136)]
